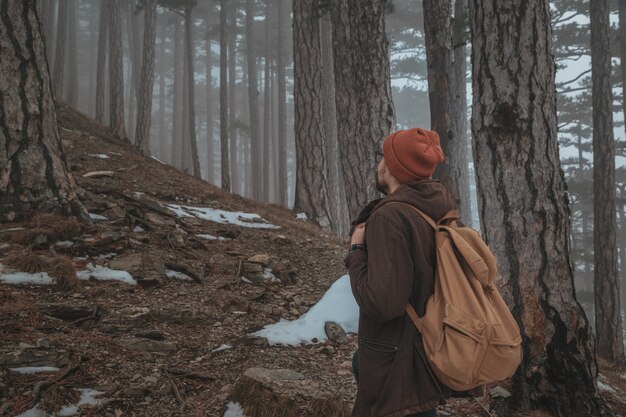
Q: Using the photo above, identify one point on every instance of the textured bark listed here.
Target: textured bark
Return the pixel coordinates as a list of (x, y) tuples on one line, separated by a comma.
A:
[(523, 205), (144, 116), (71, 96), (337, 197), (365, 112), (267, 104), (311, 169), (224, 154), (459, 144), (209, 108), (102, 59), (191, 88), (58, 75), (116, 71), (256, 179), (177, 137), (622, 52), (163, 44), (33, 171), (609, 339), (93, 56), (232, 88), (50, 29), (282, 105)]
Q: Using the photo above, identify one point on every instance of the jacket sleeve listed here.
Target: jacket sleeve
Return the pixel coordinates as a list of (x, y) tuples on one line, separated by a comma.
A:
[(382, 277)]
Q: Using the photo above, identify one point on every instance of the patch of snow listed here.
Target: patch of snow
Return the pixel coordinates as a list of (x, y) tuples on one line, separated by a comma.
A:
[(64, 244), (138, 229), (34, 369), (97, 217), (210, 237), (33, 412), (269, 276), (17, 278), (221, 348), (246, 280), (158, 160), (222, 216), (301, 216), (606, 388), (337, 305), (107, 255), (13, 229), (99, 155), (177, 275), (234, 410), (102, 273)]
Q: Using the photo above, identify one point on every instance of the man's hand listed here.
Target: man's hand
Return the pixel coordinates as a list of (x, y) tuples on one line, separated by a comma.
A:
[(358, 236)]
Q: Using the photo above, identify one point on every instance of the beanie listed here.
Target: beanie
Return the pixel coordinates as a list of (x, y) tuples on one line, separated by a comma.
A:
[(412, 154)]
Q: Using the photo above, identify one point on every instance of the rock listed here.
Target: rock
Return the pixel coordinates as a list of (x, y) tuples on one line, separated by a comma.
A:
[(261, 386), (99, 174), (252, 271), (147, 269), (43, 343), (284, 272), (69, 312), (335, 332), (151, 334), (23, 345), (260, 259), (115, 213), (159, 220), (149, 346), (499, 392)]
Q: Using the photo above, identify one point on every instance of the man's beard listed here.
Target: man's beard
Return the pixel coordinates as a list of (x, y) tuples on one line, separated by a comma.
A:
[(381, 186)]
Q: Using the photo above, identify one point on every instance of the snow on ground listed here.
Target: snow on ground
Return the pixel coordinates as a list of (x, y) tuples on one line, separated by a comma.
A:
[(301, 216), (177, 275), (97, 217), (12, 277), (221, 348), (603, 385), (99, 155), (221, 216), (234, 410), (211, 237), (102, 273), (87, 397), (336, 305), (34, 369)]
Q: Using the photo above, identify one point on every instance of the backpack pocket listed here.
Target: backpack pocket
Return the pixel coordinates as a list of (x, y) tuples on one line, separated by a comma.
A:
[(501, 360), (461, 345)]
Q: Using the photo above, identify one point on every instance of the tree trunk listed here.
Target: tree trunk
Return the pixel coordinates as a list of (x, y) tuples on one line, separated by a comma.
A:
[(253, 104), (281, 81), (267, 105), (58, 74), (609, 339), (224, 154), (102, 59), (72, 55), (458, 146), (337, 196), (232, 88), (363, 91), (523, 205), (311, 170), (209, 107), (93, 56), (50, 29), (33, 171), (144, 116), (163, 47), (133, 20), (116, 71), (177, 138), (191, 87)]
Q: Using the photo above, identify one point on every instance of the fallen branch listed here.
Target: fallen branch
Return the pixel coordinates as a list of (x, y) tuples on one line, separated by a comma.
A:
[(179, 397), (42, 386)]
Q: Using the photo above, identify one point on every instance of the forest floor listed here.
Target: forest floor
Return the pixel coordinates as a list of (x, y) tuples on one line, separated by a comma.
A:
[(169, 347)]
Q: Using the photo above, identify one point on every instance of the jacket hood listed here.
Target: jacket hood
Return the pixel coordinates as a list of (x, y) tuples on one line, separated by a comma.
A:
[(430, 196)]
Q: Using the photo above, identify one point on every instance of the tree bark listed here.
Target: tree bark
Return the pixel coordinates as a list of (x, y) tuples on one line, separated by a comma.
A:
[(50, 29), (163, 45), (363, 94), (177, 136), (609, 339), (58, 74), (33, 170), (458, 146), (72, 55), (116, 71), (224, 129), (102, 60), (253, 104), (191, 87), (209, 105), (311, 169), (282, 106), (144, 116), (337, 196), (232, 89), (267, 105), (523, 205)]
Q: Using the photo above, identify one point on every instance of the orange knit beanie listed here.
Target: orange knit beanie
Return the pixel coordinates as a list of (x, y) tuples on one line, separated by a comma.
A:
[(412, 154)]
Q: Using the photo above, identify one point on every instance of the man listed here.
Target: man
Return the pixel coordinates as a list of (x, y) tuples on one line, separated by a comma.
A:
[(392, 262)]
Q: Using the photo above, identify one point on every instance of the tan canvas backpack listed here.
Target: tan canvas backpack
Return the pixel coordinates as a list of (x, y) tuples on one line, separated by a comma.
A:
[(469, 334)]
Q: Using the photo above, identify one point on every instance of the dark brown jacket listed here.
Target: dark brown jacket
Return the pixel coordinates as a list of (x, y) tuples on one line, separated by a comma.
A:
[(398, 266)]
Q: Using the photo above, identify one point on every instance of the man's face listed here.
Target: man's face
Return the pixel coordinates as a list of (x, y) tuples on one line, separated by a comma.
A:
[(381, 177)]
